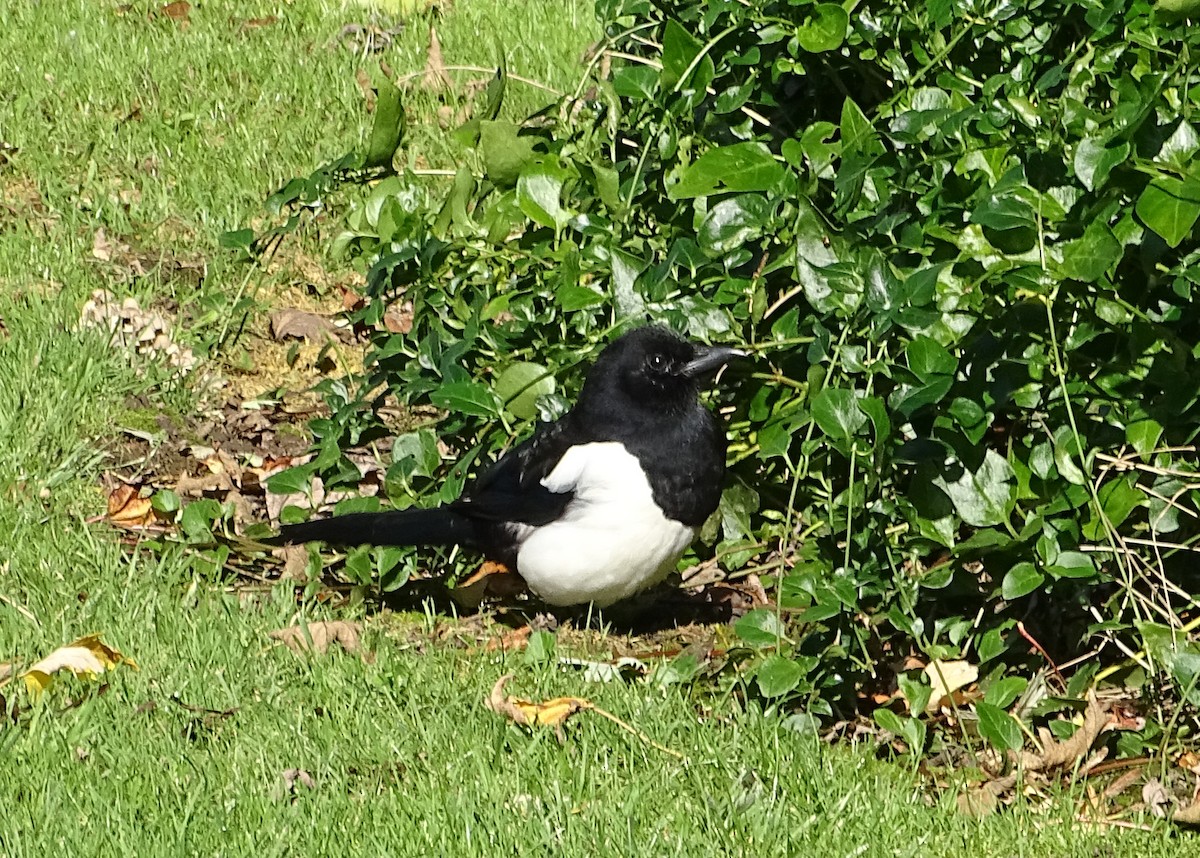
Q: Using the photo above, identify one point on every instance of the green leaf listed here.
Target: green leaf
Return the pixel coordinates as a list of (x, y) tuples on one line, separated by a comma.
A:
[(293, 481), (1144, 435), (825, 30), (541, 648), (983, 498), (539, 193), (733, 223), (1072, 564), (388, 128), (419, 448), (505, 152), (778, 676), (927, 358), (1000, 729), (1095, 160), (1066, 454), (739, 167), (759, 628), (1004, 692), (837, 413), (1170, 207), (679, 51), (1021, 580), (467, 397), (858, 134), (520, 385), (165, 501), (1091, 257)]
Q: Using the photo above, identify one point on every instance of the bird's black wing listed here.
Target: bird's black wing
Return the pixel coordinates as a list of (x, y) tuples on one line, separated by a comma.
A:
[(511, 490)]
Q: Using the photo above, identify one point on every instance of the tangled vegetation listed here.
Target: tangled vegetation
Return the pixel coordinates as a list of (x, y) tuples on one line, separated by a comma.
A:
[(959, 237)]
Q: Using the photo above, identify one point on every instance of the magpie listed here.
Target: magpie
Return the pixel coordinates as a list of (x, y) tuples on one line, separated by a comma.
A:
[(596, 506)]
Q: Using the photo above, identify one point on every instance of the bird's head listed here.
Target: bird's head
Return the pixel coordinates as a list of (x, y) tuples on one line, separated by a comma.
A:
[(653, 367)]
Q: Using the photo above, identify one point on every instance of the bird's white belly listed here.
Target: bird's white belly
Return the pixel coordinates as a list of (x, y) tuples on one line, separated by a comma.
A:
[(612, 541)]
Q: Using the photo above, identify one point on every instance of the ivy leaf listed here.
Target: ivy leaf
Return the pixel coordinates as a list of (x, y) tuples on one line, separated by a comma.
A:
[(1095, 160), (759, 628), (539, 193), (837, 413), (1090, 257), (520, 385), (739, 167), (1000, 729), (732, 223), (1021, 580), (778, 676), (1170, 207), (467, 397), (387, 129), (825, 30), (983, 498)]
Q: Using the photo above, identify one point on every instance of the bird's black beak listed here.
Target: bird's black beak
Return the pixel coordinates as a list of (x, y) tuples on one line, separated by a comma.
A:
[(709, 359)]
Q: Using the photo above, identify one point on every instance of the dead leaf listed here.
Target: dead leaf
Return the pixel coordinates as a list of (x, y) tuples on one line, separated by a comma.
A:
[(290, 778), (255, 23), (492, 580), (364, 86), (1056, 755), (1156, 797), (299, 325), (320, 636), (435, 78), (514, 640), (102, 248), (87, 658), (295, 563), (7, 669), (946, 677), (398, 317), (550, 713), (128, 509), (1189, 815), (177, 11)]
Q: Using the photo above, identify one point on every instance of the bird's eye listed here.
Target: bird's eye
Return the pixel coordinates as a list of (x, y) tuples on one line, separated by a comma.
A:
[(658, 362)]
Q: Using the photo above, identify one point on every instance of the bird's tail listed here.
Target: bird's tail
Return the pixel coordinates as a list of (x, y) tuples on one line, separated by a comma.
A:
[(394, 527)]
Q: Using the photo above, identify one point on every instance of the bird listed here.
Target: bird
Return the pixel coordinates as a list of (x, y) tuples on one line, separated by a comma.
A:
[(596, 506)]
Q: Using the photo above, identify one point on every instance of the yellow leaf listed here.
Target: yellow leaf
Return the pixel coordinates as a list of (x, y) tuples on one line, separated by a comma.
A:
[(946, 677), (550, 713), (87, 658)]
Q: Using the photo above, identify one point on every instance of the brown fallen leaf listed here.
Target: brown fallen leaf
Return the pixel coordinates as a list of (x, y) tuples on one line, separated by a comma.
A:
[(295, 563), (177, 11), (7, 669), (320, 636), (1158, 800), (435, 78), (86, 658), (1189, 815), (1057, 755), (290, 779), (128, 509), (301, 325), (511, 642), (255, 23), (398, 317), (945, 678), (550, 713), (554, 713), (491, 579)]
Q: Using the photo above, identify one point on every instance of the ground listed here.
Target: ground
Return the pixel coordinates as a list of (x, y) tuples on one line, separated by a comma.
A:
[(132, 137)]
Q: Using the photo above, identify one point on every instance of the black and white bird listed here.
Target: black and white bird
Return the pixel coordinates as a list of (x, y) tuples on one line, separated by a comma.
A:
[(596, 506)]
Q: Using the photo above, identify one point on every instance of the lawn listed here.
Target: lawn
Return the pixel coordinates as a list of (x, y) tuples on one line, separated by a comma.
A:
[(131, 137)]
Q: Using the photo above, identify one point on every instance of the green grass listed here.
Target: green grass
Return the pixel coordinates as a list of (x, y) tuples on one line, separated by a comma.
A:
[(200, 124)]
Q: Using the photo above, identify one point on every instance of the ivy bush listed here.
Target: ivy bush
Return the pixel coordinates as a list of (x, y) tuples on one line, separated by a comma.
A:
[(959, 237)]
